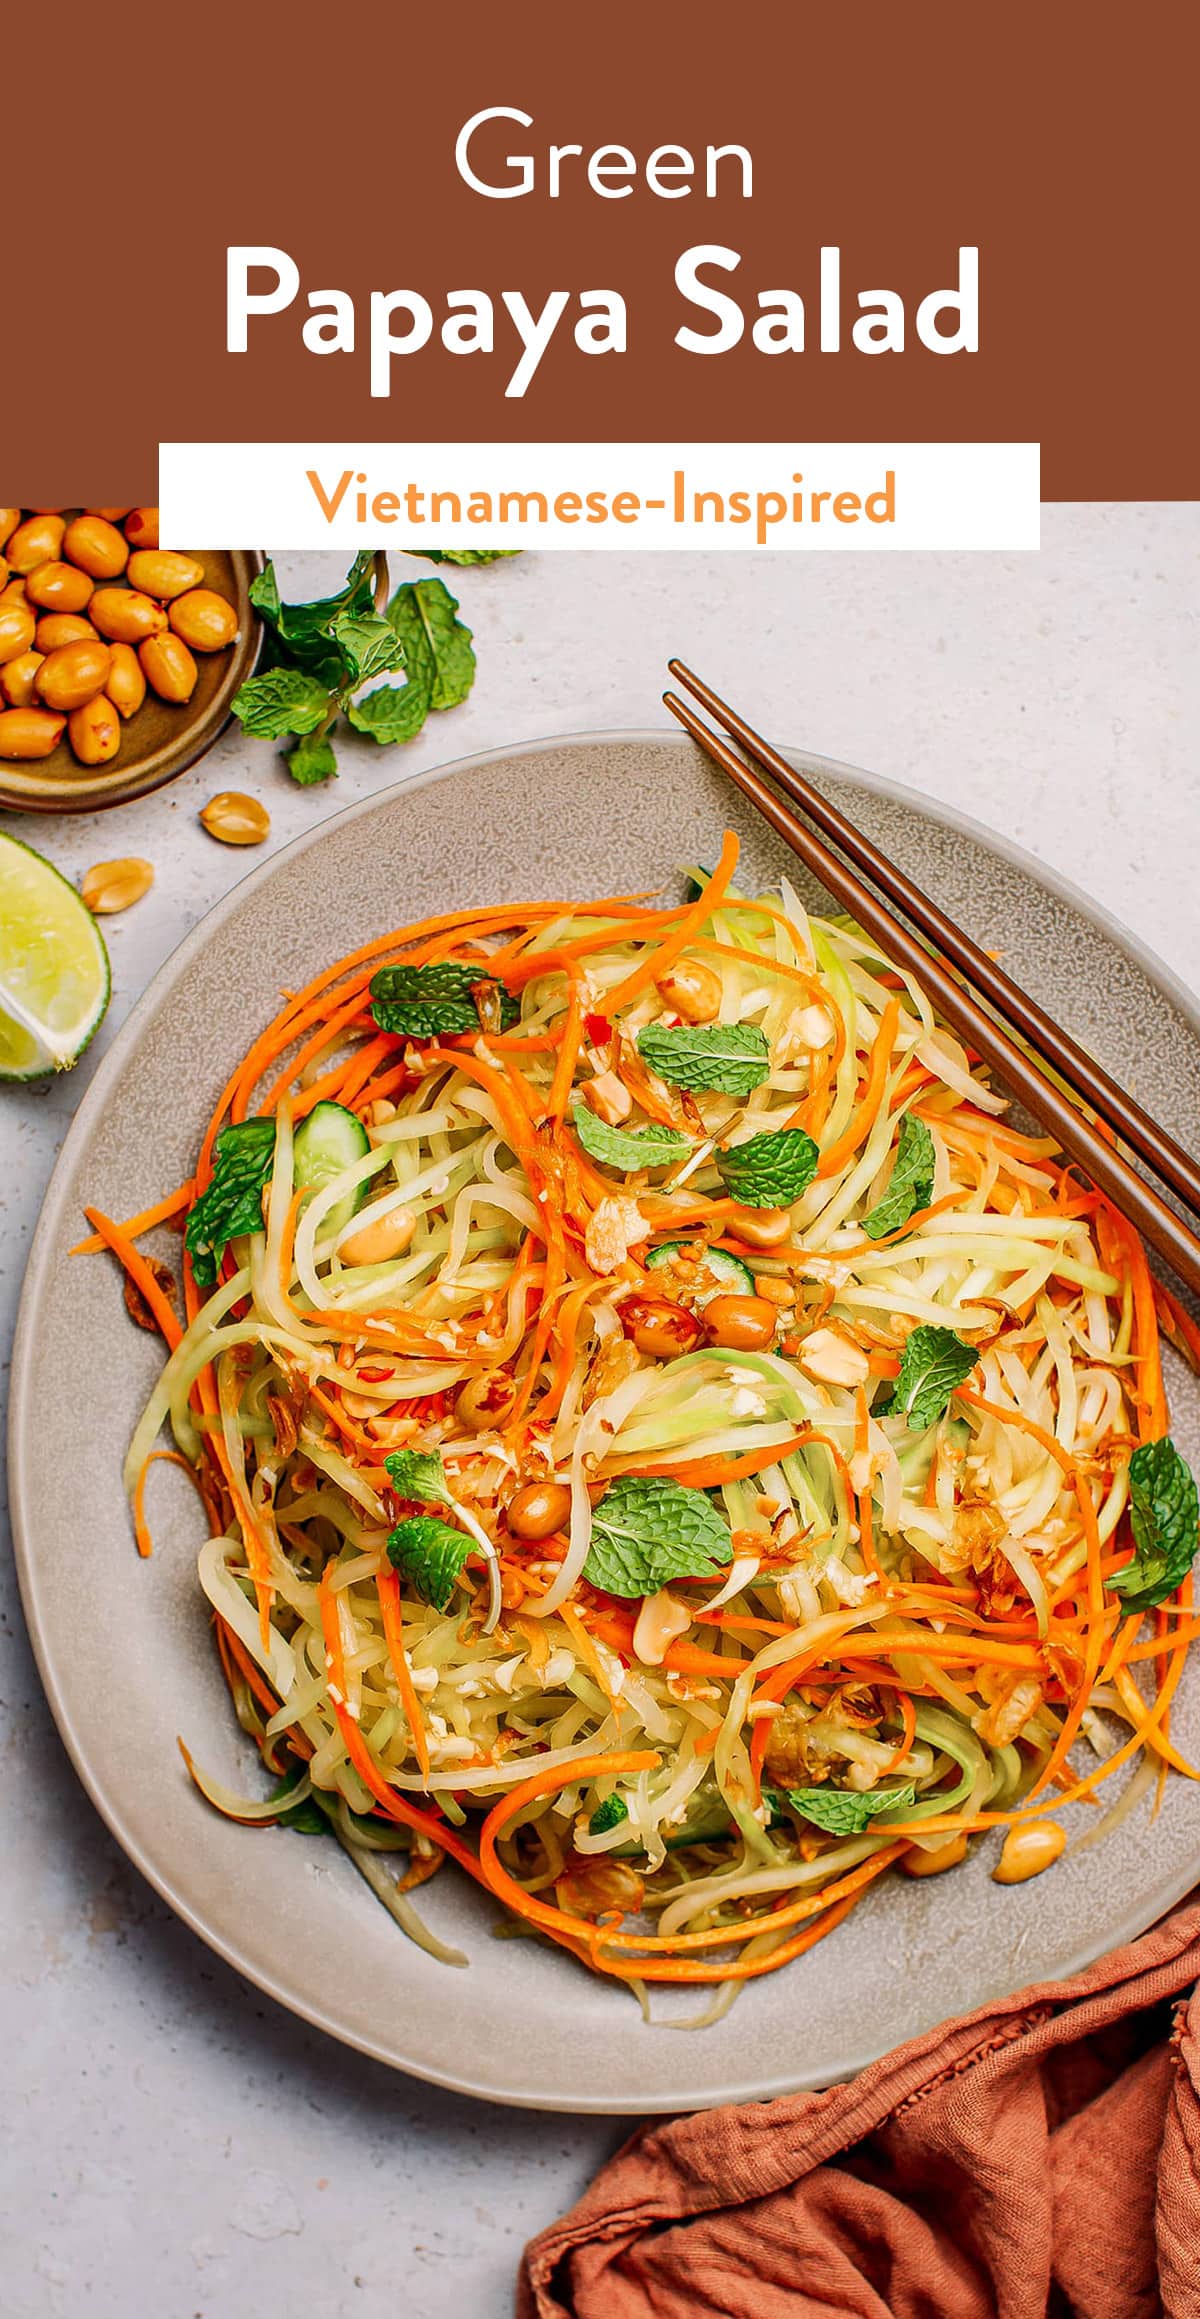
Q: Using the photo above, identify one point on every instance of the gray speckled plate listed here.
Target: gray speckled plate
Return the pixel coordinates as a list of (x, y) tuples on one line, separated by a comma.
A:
[(124, 1646)]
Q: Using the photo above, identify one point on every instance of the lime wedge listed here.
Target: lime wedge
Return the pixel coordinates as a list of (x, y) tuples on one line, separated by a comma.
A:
[(54, 976)]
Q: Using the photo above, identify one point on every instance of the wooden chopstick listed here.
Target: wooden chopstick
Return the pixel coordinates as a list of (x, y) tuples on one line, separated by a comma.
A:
[(1175, 1242), (1087, 1078)]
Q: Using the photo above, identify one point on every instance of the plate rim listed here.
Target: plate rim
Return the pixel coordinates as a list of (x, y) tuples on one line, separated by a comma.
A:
[(109, 1806)]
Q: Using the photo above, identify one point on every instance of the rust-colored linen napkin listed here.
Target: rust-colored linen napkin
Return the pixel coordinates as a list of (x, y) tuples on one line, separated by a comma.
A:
[(1040, 2157)]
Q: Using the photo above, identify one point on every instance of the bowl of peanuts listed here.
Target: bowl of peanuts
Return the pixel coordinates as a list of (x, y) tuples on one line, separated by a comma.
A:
[(118, 658)]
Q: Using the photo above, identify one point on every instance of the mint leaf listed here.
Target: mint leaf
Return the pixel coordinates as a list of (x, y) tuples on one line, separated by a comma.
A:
[(390, 713), (264, 595), (626, 1148), (430, 1555), (843, 1812), (303, 633), (464, 555), (646, 1532), (910, 1185), (420, 1474), (436, 1001), (933, 1364), (285, 700), (607, 1815), (311, 760), (730, 1058), (1164, 1514), (242, 1161), (368, 644), (771, 1170), (437, 647)]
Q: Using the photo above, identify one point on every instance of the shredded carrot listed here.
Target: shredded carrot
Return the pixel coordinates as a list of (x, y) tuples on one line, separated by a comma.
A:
[(139, 1272), (656, 964), (874, 1088), (160, 1213), (388, 1586), (524, 1302)]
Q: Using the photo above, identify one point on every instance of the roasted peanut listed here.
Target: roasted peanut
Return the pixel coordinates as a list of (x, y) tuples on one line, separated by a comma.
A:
[(126, 616), (377, 1243), (235, 818), (58, 587), (17, 630), (833, 1358), (691, 990), (1027, 1849), (162, 573), (599, 1887), (660, 1622), (96, 546), (915, 1862), (55, 629), (16, 679), (14, 592), (3, 572), (538, 1509), (205, 620), (94, 731), (743, 1324), (126, 687), (657, 1328), (9, 519), (29, 732), (74, 674), (111, 886), (168, 667), (780, 1293), (141, 527), (759, 1227), (37, 541), (486, 1402), (108, 514)]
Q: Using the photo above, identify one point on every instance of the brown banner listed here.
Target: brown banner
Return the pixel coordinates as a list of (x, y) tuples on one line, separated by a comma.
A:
[(1053, 136)]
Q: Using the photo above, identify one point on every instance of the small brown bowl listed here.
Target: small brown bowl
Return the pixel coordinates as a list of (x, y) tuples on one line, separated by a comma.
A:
[(163, 739)]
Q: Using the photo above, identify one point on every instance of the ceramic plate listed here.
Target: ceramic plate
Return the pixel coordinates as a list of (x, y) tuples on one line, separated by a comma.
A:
[(125, 1647)]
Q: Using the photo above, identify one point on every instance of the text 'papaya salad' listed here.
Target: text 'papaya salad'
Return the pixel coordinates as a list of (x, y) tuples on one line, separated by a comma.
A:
[(668, 1444)]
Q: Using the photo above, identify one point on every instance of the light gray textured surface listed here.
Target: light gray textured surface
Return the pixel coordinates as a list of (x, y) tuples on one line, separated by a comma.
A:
[(172, 2128)]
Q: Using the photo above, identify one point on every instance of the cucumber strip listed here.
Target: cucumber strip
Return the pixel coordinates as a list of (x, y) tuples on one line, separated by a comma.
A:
[(730, 1275), (328, 1142)]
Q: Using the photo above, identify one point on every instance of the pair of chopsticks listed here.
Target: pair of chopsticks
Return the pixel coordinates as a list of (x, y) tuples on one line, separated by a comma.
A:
[(1011, 1032)]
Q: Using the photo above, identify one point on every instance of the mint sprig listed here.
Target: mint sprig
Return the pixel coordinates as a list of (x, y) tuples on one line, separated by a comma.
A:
[(419, 1474), (910, 1185), (770, 1170), (317, 657), (1164, 1515), (607, 1815), (647, 1532), (243, 1156), (429, 1554), (465, 555), (844, 1812), (720, 1058), (436, 1001), (934, 1363), (627, 1148)]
